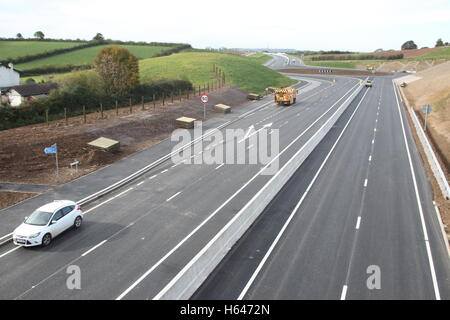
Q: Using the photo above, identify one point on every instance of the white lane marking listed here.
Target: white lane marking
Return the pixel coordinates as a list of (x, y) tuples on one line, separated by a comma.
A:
[(93, 248), (220, 166), (375, 129), (373, 141), (164, 171), (365, 183), (110, 199), (168, 254), (419, 204), (8, 252), (344, 292), (272, 247), (173, 196), (250, 146), (6, 236), (153, 177), (370, 158), (140, 183), (267, 125), (358, 222)]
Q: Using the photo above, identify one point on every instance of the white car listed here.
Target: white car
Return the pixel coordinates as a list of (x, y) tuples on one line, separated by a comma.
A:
[(47, 222)]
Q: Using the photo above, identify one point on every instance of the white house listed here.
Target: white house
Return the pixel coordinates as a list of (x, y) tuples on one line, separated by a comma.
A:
[(18, 94), (8, 75)]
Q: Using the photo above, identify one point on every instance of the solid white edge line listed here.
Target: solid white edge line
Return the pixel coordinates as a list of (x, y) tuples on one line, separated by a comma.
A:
[(344, 292), (160, 261), (110, 199), (176, 194), (6, 236), (419, 203), (275, 242), (93, 248), (8, 252)]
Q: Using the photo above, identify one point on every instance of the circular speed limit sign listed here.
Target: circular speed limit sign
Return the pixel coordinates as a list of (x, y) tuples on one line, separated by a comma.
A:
[(204, 98)]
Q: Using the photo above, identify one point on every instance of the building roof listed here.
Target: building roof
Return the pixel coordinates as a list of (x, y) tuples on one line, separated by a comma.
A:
[(35, 89), (6, 65)]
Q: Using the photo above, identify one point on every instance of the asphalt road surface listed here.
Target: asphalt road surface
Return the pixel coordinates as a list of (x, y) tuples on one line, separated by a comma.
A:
[(135, 240), (359, 207)]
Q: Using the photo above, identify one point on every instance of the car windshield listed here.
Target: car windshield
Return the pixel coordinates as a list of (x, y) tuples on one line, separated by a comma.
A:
[(39, 218)]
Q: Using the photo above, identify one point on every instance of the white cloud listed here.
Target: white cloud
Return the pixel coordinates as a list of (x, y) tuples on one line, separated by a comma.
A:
[(325, 24)]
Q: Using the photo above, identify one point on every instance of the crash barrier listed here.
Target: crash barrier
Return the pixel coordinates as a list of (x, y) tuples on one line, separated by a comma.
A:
[(431, 156), (191, 277)]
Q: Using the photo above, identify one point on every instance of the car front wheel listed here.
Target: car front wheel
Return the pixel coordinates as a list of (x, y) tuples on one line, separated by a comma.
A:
[(46, 239), (77, 222)]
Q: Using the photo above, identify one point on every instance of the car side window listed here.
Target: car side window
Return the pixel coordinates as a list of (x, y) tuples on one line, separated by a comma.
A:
[(68, 209), (58, 215)]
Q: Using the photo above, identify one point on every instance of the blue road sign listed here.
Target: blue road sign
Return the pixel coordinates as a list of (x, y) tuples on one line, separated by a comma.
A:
[(52, 149), (426, 109)]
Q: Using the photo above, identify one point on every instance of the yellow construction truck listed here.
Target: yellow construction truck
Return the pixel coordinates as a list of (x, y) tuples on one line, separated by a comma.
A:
[(285, 96)]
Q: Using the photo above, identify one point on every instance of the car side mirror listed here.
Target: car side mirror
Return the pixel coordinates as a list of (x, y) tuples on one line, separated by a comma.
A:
[(54, 221), (25, 219)]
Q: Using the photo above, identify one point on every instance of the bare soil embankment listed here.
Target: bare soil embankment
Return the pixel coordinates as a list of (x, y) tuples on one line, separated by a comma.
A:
[(22, 158)]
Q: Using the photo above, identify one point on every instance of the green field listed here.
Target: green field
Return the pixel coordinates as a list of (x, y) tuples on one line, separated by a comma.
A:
[(14, 49), (198, 68), (86, 56), (332, 64), (260, 57), (443, 53)]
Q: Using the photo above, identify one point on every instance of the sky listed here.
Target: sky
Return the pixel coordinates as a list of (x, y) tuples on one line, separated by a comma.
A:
[(361, 25)]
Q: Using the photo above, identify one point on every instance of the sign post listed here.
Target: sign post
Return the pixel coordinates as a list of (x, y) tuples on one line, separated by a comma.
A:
[(426, 110), (54, 150), (204, 99)]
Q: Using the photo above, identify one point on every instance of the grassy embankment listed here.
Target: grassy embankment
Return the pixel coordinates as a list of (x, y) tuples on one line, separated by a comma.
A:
[(240, 71)]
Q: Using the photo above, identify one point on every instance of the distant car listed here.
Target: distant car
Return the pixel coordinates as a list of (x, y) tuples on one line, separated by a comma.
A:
[(368, 83), (47, 222)]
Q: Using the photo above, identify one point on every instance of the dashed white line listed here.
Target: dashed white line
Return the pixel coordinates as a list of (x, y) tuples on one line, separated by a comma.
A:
[(344, 292), (370, 158), (164, 171), (153, 177), (358, 222), (250, 146), (93, 248), (140, 183), (220, 166), (176, 194), (373, 141)]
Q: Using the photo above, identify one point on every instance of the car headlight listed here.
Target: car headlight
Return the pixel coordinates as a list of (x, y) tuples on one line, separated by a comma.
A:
[(34, 235)]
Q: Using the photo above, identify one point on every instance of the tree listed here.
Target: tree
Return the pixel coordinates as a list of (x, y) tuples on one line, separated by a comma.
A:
[(98, 37), (118, 69), (439, 43), (39, 34), (408, 45), (19, 36)]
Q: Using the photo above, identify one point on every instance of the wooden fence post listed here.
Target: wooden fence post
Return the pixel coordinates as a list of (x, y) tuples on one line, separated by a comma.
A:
[(143, 106), (117, 108), (84, 114), (46, 116), (154, 102), (164, 97), (65, 116), (179, 93), (101, 110), (171, 96), (131, 107)]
